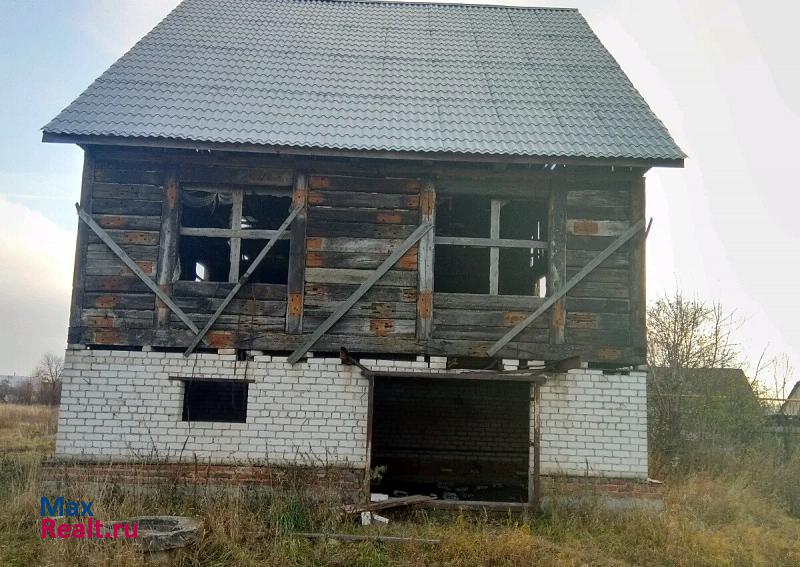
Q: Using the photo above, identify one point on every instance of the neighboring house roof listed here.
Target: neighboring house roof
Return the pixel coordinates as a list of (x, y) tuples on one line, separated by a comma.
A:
[(723, 382), (382, 76), (792, 404)]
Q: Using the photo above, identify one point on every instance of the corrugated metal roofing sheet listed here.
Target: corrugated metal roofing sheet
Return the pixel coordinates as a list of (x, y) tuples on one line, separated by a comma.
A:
[(374, 76)]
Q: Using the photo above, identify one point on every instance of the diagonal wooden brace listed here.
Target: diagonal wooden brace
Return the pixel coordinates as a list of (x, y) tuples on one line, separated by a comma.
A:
[(362, 289), (574, 280), (134, 267), (199, 335)]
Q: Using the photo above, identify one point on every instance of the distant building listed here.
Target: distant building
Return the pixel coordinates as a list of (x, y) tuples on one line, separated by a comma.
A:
[(792, 404)]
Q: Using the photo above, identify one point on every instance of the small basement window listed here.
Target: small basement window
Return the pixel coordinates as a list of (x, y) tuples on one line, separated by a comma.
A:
[(223, 230), (490, 246), (215, 400)]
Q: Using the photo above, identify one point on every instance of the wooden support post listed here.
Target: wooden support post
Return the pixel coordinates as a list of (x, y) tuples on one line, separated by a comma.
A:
[(425, 260), (297, 257), (168, 243), (345, 306), (494, 252), (534, 478), (637, 273), (557, 262), (200, 335), (575, 280), (81, 247), (237, 202)]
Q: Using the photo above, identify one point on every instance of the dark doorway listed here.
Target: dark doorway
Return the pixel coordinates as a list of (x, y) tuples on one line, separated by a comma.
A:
[(457, 439)]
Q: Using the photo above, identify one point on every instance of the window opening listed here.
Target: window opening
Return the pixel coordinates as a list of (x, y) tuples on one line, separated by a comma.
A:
[(482, 246), (223, 230), (215, 400)]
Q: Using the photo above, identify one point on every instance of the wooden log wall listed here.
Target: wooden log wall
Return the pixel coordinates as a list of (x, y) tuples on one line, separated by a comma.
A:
[(358, 211), (353, 225)]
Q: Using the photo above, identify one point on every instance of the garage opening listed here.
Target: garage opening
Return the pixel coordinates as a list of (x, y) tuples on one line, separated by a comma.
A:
[(456, 439)]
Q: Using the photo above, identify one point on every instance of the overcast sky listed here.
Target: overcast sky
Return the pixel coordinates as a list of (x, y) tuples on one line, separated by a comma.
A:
[(722, 76)]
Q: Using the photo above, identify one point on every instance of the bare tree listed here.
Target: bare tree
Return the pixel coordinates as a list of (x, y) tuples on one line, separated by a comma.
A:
[(48, 375), (683, 334)]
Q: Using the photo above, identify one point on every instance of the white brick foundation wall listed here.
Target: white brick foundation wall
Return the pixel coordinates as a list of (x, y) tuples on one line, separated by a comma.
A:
[(595, 424), (123, 405)]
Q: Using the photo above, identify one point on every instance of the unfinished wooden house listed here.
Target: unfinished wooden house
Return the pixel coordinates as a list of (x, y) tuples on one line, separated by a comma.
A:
[(399, 237)]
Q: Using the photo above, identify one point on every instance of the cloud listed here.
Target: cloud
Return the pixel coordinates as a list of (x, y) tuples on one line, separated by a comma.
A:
[(37, 257)]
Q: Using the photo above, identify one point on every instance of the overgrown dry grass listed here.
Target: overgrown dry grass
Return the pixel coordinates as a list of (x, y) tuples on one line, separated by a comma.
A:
[(738, 517), (27, 429)]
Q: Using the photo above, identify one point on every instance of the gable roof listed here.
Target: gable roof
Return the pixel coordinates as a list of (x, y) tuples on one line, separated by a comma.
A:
[(791, 406), (383, 76), (722, 382)]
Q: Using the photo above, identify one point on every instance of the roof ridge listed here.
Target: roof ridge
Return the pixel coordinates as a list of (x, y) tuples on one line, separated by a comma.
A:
[(437, 4)]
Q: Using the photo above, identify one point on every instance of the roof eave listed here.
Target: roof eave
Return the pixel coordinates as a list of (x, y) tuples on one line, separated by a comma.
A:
[(174, 143)]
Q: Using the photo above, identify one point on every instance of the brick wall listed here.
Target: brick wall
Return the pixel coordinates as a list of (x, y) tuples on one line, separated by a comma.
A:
[(595, 423), (123, 404)]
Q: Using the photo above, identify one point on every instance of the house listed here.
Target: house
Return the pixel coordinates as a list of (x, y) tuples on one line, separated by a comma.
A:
[(452, 194), (792, 404)]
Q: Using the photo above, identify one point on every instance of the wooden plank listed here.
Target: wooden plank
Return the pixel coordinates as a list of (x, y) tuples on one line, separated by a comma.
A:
[(353, 215), (354, 230), (248, 233), (490, 242), (557, 261), (235, 243), (362, 289), (387, 504), (242, 281), (361, 538), (327, 294), (255, 291), (127, 191), (483, 302), (364, 184), (349, 276), (141, 237), (167, 271), (596, 261), (243, 175), (85, 217), (349, 244), (357, 199), (637, 271), (81, 244), (365, 327), (591, 227), (126, 207), (494, 251), (425, 261), (297, 257), (358, 260), (467, 317), (138, 302), (128, 222)]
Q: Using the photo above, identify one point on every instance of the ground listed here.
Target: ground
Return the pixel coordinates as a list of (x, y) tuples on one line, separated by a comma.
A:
[(710, 518)]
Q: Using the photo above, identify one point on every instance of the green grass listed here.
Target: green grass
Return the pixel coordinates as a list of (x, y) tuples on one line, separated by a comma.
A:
[(738, 515)]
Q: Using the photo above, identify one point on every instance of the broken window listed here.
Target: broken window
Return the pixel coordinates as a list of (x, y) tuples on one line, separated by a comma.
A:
[(215, 400), (223, 230), (490, 246)]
